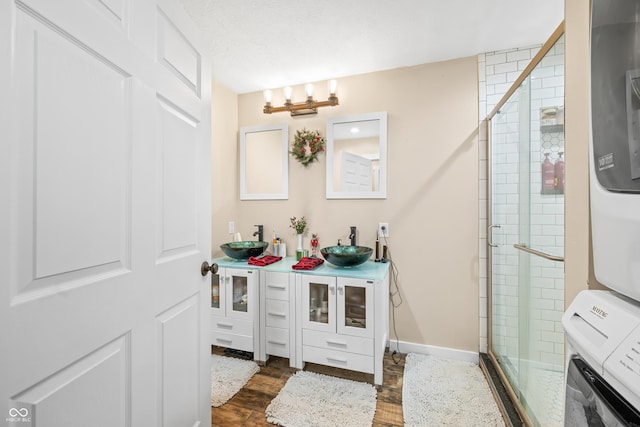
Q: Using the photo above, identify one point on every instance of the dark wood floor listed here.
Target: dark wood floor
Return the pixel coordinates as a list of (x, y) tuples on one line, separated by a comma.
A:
[(247, 407)]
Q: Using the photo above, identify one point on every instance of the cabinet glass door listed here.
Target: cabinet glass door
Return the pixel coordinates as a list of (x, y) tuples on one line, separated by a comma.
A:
[(318, 295), (241, 291), (217, 294), (355, 307)]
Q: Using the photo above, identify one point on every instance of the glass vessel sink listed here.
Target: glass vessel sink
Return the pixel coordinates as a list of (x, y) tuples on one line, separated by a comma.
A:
[(243, 250), (346, 256)]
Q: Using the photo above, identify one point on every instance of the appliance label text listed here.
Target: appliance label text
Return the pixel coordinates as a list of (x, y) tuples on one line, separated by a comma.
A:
[(605, 162), (599, 312)]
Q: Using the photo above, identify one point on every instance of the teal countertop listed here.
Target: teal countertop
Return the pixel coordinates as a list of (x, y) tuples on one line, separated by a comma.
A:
[(368, 270)]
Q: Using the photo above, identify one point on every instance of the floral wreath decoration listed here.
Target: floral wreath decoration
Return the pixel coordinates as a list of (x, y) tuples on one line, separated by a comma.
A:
[(306, 146)]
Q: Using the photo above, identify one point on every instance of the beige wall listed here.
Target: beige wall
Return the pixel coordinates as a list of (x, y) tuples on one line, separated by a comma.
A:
[(578, 265), (432, 189), (225, 184)]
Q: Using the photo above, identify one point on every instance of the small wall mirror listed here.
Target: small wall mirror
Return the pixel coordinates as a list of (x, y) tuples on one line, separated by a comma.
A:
[(357, 156), (264, 162)]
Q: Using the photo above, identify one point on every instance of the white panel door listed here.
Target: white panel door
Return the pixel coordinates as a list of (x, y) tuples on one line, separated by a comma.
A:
[(104, 182), (355, 173)]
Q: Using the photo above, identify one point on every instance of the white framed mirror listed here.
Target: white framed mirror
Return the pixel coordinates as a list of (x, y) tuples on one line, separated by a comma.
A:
[(357, 156), (264, 162)]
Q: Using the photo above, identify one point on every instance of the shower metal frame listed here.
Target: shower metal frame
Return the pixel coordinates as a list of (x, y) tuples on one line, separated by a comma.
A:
[(555, 36)]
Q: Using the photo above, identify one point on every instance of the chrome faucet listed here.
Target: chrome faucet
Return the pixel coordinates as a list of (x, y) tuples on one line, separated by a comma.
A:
[(352, 236), (259, 233)]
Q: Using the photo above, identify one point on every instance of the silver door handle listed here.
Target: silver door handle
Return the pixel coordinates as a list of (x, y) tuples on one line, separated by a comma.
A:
[(490, 235)]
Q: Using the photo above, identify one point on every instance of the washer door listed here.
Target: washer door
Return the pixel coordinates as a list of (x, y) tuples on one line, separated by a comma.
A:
[(590, 400)]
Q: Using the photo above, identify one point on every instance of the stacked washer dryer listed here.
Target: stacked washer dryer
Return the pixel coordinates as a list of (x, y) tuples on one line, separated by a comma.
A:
[(603, 327)]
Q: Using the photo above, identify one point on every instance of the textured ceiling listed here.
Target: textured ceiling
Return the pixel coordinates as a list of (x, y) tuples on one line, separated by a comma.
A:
[(260, 44)]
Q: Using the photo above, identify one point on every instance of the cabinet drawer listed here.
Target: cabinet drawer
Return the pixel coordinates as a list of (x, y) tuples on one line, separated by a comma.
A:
[(331, 341), (277, 341), (277, 286), (232, 326), (277, 313), (239, 342), (339, 359)]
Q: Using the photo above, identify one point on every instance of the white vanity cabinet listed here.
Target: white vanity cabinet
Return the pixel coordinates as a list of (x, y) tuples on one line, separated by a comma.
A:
[(342, 322), (330, 315), (277, 314), (235, 308)]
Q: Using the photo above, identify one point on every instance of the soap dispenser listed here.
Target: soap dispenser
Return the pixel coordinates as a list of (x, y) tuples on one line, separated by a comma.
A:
[(548, 175)]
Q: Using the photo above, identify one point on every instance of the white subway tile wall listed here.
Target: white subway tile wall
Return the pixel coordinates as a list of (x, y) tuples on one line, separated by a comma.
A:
[(496, 72)]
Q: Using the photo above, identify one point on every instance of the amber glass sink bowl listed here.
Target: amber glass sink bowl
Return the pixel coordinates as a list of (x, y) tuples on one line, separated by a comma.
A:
[(346, 256), (243, 250)]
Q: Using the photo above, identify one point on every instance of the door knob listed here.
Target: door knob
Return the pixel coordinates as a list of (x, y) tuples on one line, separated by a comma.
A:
[(205, 268)]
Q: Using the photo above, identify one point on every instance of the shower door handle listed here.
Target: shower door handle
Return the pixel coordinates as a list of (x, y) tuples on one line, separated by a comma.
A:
[(550, 257), (490, 235)]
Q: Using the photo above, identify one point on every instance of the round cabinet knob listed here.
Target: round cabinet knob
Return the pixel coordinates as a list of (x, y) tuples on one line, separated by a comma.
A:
[(205, 268)]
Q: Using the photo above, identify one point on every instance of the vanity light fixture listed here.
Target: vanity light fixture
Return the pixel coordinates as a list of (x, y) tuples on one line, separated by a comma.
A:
[(310, 106)]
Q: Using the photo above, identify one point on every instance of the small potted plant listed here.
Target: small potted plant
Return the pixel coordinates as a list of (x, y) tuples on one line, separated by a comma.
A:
[(299, 225)]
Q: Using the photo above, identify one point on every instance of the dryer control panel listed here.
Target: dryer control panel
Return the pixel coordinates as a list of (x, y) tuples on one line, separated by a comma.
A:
[(622, 368)]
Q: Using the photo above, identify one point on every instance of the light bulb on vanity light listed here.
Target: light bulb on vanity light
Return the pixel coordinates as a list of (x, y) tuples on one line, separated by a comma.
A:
[(333, 85), (308, 88), (268, 96), (287, 93)]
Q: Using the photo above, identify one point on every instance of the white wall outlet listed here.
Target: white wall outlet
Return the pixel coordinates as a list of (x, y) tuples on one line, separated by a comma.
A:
[(232, 227), (383, 229)]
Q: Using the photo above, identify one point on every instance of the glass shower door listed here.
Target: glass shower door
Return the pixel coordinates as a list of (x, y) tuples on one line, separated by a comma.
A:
[(504, 233), (526, 239)]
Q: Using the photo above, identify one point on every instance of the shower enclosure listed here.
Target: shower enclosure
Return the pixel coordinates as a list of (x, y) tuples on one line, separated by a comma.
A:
[(526, 237)]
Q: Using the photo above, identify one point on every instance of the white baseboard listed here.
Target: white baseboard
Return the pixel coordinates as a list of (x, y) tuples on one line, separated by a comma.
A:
[(432, 350)]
